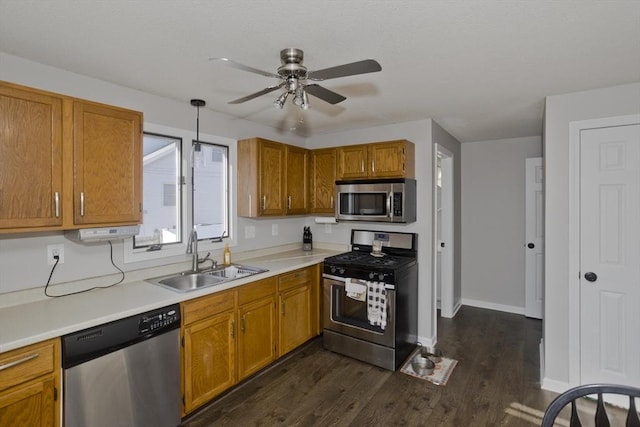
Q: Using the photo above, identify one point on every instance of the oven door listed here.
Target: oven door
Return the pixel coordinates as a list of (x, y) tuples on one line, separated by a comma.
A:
[(348, 316)]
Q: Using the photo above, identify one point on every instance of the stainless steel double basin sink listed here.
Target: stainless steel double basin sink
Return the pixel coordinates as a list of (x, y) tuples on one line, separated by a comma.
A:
[(190, 281)]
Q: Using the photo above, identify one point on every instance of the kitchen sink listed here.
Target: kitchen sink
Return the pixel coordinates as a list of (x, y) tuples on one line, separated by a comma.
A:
[(189, 281)]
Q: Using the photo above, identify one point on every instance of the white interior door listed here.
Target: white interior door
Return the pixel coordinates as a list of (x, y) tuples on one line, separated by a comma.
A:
[(610, 255), (443, 230), (534, 238)]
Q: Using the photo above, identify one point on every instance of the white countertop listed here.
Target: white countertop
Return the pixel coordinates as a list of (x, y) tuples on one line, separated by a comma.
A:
[(41, 319)]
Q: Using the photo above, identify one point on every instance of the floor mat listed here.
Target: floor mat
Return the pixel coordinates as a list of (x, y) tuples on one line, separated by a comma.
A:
[(441, 372)]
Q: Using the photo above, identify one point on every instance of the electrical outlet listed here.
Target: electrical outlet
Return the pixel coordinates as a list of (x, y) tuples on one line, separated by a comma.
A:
[(274, 229), (327, 228), (249, 232), (55, 250)]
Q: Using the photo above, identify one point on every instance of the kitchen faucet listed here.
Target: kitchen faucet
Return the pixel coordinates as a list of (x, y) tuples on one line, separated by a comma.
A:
[(192, 248)]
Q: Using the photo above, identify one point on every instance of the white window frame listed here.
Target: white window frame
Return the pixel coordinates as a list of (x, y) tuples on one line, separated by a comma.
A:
[(177, 252)]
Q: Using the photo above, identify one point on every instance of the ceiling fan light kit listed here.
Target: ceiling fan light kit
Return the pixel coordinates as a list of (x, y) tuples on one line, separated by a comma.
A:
[(294, 77)]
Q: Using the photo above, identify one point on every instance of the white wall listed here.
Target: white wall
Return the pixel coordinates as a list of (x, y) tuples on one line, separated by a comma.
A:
[(560, 111), (493, 222)]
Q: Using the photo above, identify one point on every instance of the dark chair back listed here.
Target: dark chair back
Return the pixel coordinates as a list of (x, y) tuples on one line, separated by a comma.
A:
[(601, 417)]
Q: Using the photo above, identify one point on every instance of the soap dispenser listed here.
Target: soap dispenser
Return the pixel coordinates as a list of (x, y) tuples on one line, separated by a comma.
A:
[(227, 255)]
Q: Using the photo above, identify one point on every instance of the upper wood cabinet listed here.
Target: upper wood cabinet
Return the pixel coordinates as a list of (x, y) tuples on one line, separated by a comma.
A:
[(30, 158), (272, 178), (29, 384), (84, 161), (107, 161), (323, 180), (390, 159), (297, 183), (352, 161)]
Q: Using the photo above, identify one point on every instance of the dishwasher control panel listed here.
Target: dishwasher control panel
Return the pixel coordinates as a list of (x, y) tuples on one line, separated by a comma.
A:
[(158, 320)]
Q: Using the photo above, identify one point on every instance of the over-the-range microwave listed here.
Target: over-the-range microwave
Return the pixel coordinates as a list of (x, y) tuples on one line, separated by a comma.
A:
[(376, 200)]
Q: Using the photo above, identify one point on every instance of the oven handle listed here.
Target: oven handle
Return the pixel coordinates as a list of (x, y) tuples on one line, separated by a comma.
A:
[(342, 281)]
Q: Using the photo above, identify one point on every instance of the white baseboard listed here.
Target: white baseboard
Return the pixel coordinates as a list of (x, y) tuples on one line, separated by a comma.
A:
[(493, 306), (554, 385)]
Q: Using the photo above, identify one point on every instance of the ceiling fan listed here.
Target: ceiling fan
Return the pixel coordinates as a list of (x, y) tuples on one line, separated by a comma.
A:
[(294, 78)]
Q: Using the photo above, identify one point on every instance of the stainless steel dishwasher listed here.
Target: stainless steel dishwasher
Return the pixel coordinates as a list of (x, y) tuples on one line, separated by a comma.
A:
[(124, 373)]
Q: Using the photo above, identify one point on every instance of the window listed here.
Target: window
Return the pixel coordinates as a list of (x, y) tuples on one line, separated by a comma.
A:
[(161, 194), (210, 190)]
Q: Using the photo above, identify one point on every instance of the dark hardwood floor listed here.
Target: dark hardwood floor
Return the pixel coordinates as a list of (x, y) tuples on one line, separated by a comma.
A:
[(496, 383)]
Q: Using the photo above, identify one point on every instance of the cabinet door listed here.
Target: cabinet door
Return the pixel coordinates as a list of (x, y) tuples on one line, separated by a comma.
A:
[(387, 159), (323, 180), (272, 167), (209, 359), (297, 180), (31, 404), (30, 158), (256, 336), (352, 161), (295, 318), (107, 162)]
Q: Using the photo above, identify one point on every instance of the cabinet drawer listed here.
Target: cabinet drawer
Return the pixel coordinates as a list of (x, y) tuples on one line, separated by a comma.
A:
[(256, 290), (295, 278), (199, 309), (24, 364)]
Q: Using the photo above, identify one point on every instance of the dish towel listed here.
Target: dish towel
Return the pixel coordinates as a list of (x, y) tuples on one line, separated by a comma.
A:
[(377, 304), (355, 290)]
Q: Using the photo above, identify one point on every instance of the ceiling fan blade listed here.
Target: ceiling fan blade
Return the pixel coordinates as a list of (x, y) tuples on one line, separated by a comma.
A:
[(359, 67), (244, 67), (257, 94), (323, 93)]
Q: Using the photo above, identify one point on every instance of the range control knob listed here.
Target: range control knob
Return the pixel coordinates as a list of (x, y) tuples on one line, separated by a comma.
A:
[(333, 269), (381, 277), (341, 271), (371, 275)]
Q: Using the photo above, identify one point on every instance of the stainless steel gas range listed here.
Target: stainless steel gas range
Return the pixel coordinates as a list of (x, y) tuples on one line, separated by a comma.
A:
[(370, 298)]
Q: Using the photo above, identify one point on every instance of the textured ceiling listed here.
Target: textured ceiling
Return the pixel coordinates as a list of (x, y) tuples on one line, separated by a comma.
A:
[(479, 68)]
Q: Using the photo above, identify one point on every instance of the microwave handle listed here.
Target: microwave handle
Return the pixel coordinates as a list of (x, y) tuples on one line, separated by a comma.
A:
[(390, 205)]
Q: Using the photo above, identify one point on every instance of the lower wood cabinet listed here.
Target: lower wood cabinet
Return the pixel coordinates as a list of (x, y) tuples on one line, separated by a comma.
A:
[(230, 335), (29, 384), (257, 326), (209, 359), (295, 294)]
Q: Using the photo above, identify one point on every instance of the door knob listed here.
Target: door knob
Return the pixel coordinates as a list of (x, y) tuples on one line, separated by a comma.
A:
[(531, 245), (590, 276)]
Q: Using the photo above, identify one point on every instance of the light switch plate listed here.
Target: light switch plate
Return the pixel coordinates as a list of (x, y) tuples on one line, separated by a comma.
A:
[(274, 229)]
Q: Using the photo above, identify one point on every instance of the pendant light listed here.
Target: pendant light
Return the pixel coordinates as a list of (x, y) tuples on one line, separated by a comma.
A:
[(197, 147)]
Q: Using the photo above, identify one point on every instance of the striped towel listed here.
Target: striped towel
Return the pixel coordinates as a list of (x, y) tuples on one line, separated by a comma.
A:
[(377, 304)]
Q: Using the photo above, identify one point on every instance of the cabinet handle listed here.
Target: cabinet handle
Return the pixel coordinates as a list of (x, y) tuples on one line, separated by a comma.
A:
[(288, 202), (18, 362), (331, 202), (56, 200), (82, 203), (233, 328), (283, 308), (362, 166), (264, 203), (244, 323), (373, 165)]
